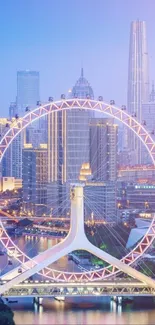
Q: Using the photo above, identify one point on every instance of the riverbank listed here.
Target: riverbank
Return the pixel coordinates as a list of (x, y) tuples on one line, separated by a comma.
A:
[(6, 314)]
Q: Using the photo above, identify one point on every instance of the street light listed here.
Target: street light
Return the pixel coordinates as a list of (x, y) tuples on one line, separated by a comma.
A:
[(146, 205)]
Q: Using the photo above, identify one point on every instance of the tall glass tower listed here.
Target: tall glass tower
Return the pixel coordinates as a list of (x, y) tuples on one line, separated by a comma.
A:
[(68, 146), (63, 128), (27, 89), (27, 95), (138, 82)]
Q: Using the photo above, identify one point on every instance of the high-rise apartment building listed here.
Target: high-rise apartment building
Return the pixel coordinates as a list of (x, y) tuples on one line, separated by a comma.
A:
[(103, 149), (138, 83), (34, 176)]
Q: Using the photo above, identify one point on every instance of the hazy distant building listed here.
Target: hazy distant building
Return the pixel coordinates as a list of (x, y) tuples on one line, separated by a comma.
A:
[(148, 113), (103, 149), (13, 110), (12, 161), (138, 82), (28, 94), (4, 164), (152, 94), (34, 177), (27, 89)]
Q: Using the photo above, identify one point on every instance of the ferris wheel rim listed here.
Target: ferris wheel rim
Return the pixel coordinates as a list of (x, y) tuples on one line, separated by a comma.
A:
[(16, 128)]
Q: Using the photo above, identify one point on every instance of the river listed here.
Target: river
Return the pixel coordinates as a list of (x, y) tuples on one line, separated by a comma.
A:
[(90, 311), (79, 311)]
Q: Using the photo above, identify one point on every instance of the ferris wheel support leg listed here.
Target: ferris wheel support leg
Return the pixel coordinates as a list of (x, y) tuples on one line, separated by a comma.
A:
[(76, 240), (51, 255), (120, 265)]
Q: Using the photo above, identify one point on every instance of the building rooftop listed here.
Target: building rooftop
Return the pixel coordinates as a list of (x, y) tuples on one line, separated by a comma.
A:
[(82, 88)]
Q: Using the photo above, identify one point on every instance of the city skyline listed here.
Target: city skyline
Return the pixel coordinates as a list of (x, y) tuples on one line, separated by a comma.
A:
[(41, 49), (77, 161)]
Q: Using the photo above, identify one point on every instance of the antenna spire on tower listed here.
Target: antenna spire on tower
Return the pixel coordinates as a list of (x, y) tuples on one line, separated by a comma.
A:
[(82, 73)]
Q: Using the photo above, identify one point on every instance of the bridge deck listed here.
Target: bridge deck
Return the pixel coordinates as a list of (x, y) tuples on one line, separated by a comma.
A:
[(105, 288)]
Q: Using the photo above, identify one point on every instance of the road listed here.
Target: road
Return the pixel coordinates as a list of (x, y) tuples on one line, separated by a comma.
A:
[(32, 246)]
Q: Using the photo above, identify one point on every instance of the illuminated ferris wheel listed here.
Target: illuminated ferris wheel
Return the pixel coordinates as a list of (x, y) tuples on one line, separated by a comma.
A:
[(73, 156)]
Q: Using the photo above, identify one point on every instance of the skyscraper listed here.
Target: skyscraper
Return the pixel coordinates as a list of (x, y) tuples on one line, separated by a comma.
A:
[(27, 95), (68, 141), (103, 149), (138, 82), (148, 115), (12, 161), (34, 176), (68, 137), (4, 165), (27, 90)]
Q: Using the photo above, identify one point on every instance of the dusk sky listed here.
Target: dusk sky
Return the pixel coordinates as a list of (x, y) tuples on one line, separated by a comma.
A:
[(55, 37)]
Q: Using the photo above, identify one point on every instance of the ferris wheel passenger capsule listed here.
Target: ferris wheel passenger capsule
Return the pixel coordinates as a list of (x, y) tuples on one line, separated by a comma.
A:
[(38, 103), (50, 99), (123, 107), (63, 96), (100, 98), (112, 102), (27, 109)]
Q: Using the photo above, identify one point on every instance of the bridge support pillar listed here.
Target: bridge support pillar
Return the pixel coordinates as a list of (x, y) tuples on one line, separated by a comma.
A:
[(119, 300), (37, 300)]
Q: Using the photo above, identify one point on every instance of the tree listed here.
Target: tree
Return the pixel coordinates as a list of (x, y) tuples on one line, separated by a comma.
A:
[(6, 315)]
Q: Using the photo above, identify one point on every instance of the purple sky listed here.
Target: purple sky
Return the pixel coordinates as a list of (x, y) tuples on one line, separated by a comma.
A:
[(55, 36)]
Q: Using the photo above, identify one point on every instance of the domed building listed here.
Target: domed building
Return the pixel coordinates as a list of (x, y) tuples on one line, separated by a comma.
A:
[(82, 88)]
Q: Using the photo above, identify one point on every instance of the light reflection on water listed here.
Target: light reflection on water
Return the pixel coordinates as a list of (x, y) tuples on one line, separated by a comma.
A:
[(87, 312), (93, 311)]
